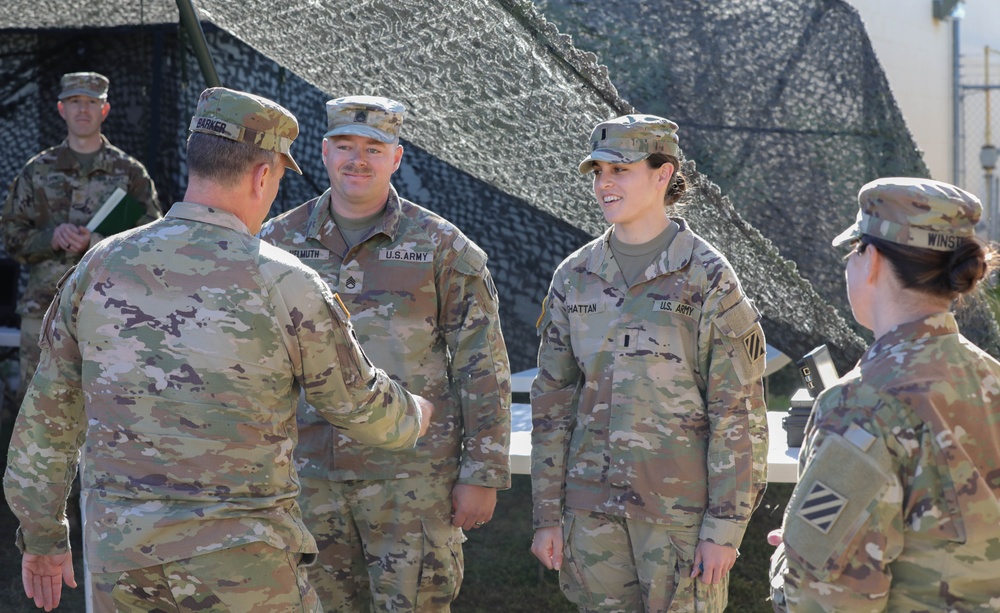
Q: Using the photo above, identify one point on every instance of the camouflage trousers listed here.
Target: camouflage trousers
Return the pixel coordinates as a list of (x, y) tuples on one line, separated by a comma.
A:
[(385, 545), (613, 564), (28, 355), (254, 578)]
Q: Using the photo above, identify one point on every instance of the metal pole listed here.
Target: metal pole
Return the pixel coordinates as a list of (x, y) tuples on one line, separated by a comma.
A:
[(192, 24), (990, 195), (995, 207), (956, 101), (986, 83)]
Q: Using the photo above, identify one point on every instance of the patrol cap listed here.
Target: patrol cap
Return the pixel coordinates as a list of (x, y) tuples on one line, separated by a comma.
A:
[(84, 84), (247, 118), (915, 212), (371, 116), (630, 138)]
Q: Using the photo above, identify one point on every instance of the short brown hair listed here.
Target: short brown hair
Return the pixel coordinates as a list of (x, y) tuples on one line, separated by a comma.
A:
[(222, 160)]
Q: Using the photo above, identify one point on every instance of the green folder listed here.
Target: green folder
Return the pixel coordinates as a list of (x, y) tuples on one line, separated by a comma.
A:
[(118, 213)]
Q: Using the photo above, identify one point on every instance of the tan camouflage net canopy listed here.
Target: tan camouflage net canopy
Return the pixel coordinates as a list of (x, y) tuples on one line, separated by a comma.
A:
[(500, 107)]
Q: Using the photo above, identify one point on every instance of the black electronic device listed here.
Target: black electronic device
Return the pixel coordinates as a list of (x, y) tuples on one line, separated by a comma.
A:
[(818, 373), (817, 370)]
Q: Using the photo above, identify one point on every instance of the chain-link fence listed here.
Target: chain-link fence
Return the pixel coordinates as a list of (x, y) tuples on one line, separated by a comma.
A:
[(979, 135)]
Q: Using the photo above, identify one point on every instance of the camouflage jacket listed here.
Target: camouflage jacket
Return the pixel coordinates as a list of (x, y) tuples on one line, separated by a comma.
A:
[(425, 309), (174, 354), (52, 190), (648, 402), (897, 507)]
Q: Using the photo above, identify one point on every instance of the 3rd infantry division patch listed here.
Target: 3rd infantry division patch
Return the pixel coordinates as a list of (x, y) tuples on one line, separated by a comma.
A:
[(754, 344), (821, 507)]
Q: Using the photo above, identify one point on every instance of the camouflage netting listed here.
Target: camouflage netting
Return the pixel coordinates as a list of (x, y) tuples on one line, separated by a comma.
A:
[(782, 103), (500, 106)]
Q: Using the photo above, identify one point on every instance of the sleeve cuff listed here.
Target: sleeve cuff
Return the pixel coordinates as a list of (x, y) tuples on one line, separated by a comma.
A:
[(722, 531), (494, 476)]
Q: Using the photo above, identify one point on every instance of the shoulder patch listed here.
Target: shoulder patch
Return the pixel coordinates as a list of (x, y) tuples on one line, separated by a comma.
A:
[(471, 259), (738, 318), (859, 437), (754, 345), (821, 506), (833, 501), (740, 329)]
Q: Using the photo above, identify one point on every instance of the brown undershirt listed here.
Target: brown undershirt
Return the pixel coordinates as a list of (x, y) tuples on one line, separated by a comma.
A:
[(633, 260)]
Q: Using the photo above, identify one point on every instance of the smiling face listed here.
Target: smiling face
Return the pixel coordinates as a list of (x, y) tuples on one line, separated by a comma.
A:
[(83, 115), (360, 169), (631, 195)]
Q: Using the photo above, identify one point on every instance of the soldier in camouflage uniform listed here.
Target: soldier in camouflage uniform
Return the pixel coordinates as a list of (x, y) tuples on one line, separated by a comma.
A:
[(390, 525), (55, 195), (649, 433), (174, 355), (897, 507)]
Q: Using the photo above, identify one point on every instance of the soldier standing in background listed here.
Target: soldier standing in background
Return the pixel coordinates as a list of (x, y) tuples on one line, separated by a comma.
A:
[(649, 432), (897, 506), (174, 354), (55, 195), (389, 525)]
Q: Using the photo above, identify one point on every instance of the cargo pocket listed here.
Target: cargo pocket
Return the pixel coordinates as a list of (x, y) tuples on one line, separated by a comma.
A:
[(441, 566), (571, 578)]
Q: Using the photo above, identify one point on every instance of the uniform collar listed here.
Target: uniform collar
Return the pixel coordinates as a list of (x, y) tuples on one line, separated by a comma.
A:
[(939, 324), (677, 256), (65, 160), (207, 214), (321, 220)]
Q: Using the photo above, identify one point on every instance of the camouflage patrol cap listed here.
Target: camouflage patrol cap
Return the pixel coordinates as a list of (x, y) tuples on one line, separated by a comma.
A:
[(247, 118), (630, 138), (84, 84), (371, 116), (915, 212)]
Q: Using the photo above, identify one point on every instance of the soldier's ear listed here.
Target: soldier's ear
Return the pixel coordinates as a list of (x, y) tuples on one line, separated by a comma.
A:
[(397, 157), (260, 177), (666, 173), (105, 109)]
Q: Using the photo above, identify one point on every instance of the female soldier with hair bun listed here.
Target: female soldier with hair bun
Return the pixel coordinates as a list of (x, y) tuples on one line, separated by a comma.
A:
[(897, 506), (649, 435)]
